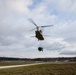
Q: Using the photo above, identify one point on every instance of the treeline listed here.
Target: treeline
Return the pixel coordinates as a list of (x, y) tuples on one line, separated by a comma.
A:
[(56, 59), (13, 59), (39, 59)]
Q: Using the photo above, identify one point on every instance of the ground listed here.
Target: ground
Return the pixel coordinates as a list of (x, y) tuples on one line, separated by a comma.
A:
[(42, 69)]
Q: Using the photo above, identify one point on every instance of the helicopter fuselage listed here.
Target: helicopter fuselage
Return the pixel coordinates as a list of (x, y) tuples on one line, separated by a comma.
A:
[(39, 35)]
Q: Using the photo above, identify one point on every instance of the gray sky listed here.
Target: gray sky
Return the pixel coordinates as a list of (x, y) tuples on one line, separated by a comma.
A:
[(15, 37)]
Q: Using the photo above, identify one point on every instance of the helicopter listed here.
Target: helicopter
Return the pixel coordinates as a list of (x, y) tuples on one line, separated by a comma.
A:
[(38, 32)]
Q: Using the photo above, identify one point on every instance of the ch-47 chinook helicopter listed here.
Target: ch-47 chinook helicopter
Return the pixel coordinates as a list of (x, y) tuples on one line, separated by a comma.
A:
[(38, 32)]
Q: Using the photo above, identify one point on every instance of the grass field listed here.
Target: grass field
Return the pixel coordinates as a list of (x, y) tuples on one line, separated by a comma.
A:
[(8, 63), (42, 69)]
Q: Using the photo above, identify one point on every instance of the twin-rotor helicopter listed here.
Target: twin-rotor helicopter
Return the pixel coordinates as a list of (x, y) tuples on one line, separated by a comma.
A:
[(38, 32)]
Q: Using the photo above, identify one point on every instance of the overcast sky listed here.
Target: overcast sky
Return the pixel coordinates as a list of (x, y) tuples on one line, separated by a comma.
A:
[(15, 34)]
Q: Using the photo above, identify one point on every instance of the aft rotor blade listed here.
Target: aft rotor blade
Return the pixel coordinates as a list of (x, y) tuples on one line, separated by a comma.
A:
[(32, 22), (46, 26)]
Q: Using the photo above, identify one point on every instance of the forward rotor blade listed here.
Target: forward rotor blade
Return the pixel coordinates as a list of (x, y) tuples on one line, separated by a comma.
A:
[(32, 36), (32, 29), (46, 26), (32, 22), (47, 35)]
